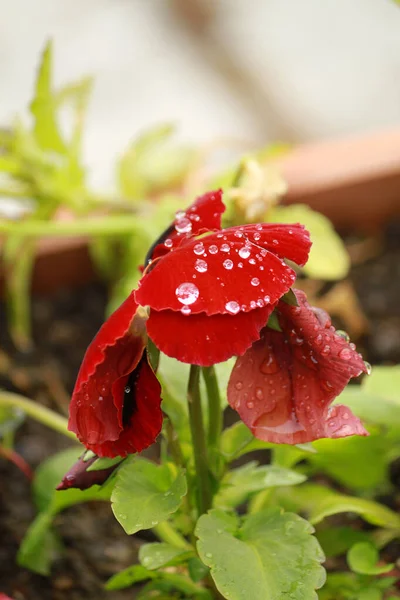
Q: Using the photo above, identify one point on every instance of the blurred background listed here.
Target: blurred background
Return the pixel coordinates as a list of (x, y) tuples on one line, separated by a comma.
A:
[(256, 71)]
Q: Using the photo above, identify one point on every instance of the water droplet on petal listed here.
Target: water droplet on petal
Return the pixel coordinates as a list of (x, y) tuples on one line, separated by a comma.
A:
[(326, 350), (187, 293), (345, 354), (255, 281), (199, 249), (275, 242), (213, 249), (343, 334), (260, 302), (225, 248), (228, 264), (244, 252), (257, 236), (186, 310), (318, 340), (267, 299), (127, 389), (232, 307), (239, 385), (201, 266), (250, 404), (168, 243), (252, 261), (368, 367), (240, 265), (238, 234), (259, 393), (270, 365), (183, 225)]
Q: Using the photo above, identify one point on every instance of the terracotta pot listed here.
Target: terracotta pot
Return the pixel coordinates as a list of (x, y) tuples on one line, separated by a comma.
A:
[(354, 181)]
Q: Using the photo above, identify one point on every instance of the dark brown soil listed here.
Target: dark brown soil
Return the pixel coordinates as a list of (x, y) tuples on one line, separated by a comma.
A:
[(96, 546)]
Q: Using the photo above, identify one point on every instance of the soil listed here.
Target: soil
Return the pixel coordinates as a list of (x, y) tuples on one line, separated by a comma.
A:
[(95, 545)]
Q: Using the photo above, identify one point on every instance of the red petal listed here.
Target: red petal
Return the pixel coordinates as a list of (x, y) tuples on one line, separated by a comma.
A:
[(146, 420), (283, 386), (203, 215), (202, 340), (95, 411), (222, 272)]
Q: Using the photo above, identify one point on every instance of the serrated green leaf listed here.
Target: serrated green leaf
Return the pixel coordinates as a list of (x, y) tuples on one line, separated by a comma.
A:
[(157, 490), (43, 106), (363, 557), (128, 577), (157, 555), (329, 258), (270, 556), (240, 483)]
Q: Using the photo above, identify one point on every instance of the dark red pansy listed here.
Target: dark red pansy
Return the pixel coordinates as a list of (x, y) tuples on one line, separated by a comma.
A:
[(232, 274), (284, 384), (203, 215), (79, 477), (115, 406)]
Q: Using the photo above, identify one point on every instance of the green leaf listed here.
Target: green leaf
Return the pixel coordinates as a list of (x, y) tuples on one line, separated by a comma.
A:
[(370, 511), (336, 541), (238, 440), (104, 463), (270, 556), (239, 483), (43, 106), (39, 546), (328, 257), (10, 419), (49, 474), (197, 569), (341, 460), (128, 577), (363, 558), (157, 555), (157, 493)]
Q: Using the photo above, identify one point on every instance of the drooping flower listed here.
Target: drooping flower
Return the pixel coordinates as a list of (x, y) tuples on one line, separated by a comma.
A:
[(283, 386), (115, 405)]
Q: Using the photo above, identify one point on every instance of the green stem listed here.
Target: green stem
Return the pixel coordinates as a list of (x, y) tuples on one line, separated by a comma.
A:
[(204, 497), (214, 407), (36, 411), (166, 533)]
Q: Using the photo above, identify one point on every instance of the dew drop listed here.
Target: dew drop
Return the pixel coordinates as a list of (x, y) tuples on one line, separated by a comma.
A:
[(368, 367), (269, 366), (260, 302), (232, 307), (255, 281), (228, 264), (101, 398), (252, 261), (239, 385), (240, 265), (343, 334), (127, 389), (318, 340), (238, 234), (253, 304), (201, 266), (326, 350), (183, 225), (180, 214), (259, 393), (257, 236), (168, 243), (267, 299), (213, 249), (345, 354), (199, 249), (225, 248), (244, 252), (186, 310), (208, 555), (275, 242), (187, 293), (250, 404)]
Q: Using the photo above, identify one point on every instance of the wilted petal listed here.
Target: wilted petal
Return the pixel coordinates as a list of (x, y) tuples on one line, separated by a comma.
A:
[(79, 477), (221, 271), (203, 340), (283, 386)]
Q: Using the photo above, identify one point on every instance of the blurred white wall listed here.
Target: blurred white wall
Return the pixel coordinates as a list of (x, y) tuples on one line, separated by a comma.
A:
[(321, 68)]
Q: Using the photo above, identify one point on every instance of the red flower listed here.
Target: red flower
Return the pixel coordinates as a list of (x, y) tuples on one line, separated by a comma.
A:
[(211, 296), (283, 386), (115, 406)]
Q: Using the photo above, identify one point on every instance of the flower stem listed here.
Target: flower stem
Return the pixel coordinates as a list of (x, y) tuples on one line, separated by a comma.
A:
[(166, 533), (214, 407), (204, 497), (36, 411)]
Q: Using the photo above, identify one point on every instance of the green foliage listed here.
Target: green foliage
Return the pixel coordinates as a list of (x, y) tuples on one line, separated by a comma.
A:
[(363, 558), (328, 259), (154, 556), (158, 492), (267, 556)]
